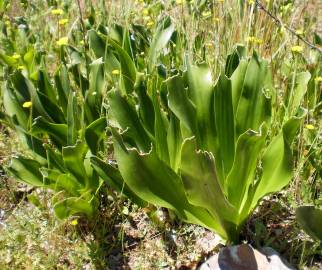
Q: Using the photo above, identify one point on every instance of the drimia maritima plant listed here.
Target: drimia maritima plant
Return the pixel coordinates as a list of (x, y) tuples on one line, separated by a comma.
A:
[(202, 148)]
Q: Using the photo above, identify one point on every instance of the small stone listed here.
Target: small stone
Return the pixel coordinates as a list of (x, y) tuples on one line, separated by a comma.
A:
[(244, 257)]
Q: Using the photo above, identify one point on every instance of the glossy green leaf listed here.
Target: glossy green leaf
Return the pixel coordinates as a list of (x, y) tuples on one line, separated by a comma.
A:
[(160, 39), (254, 107), (113, 177), (72, 119), (57, 132), (277, 161), (73, 157), (310, 219), (73, 205), (201, 92), (26, 170), (202, 186), (128, 69), (123, 115), (180, 104), (94, 134), (225, 125), (168, 192), (297, 94), (248, 149)]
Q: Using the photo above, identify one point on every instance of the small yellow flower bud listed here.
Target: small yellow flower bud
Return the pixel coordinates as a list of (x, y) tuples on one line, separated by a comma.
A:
[(16, 56), (206, 14), (57, 11), (297, 49), (27, 104), (63, 21), (74, 222), (150, 23), (115, 72), (309, 126), (62, 41)]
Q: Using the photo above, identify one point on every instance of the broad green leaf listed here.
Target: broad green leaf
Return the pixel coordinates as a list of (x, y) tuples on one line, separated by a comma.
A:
[(310, 219), (123, 115), (52, 109), (68, 183), (146, 109), (57, 132), (73, 205), (248, 149), (254, 107), (45, 87), (128, 70), (113, 177), (33, 144), (8, 60), (14, 109), (73, 116), (96, 43), (237, 83), (54, 159), (26, 170), (73, 157), (277, 161), (93, 96), (201, 92), (174, 141), (202, 186), (63, 87), (225, 126), (180, 104), (160, 127), (160, 39), (26, 91), (153, 181), (297, 94), (233, 60), (94, 134)]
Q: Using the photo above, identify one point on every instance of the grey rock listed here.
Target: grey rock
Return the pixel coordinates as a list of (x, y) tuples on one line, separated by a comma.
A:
[(244, 257)]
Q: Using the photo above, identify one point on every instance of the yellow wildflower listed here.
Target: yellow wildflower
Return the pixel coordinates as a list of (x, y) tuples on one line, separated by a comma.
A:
[(251, 39), (57, 11), (7, 22), (20, 67), (180, 2), (145, 11), (63, 21), (206, 14), (16, 56), (318, 79), (299, 32), (150, 23), (216, 19), (115, 72), (62, 41), (74, 222), (251, 2), (258, 41), (309, 126), (27, 104), (297, 49)]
